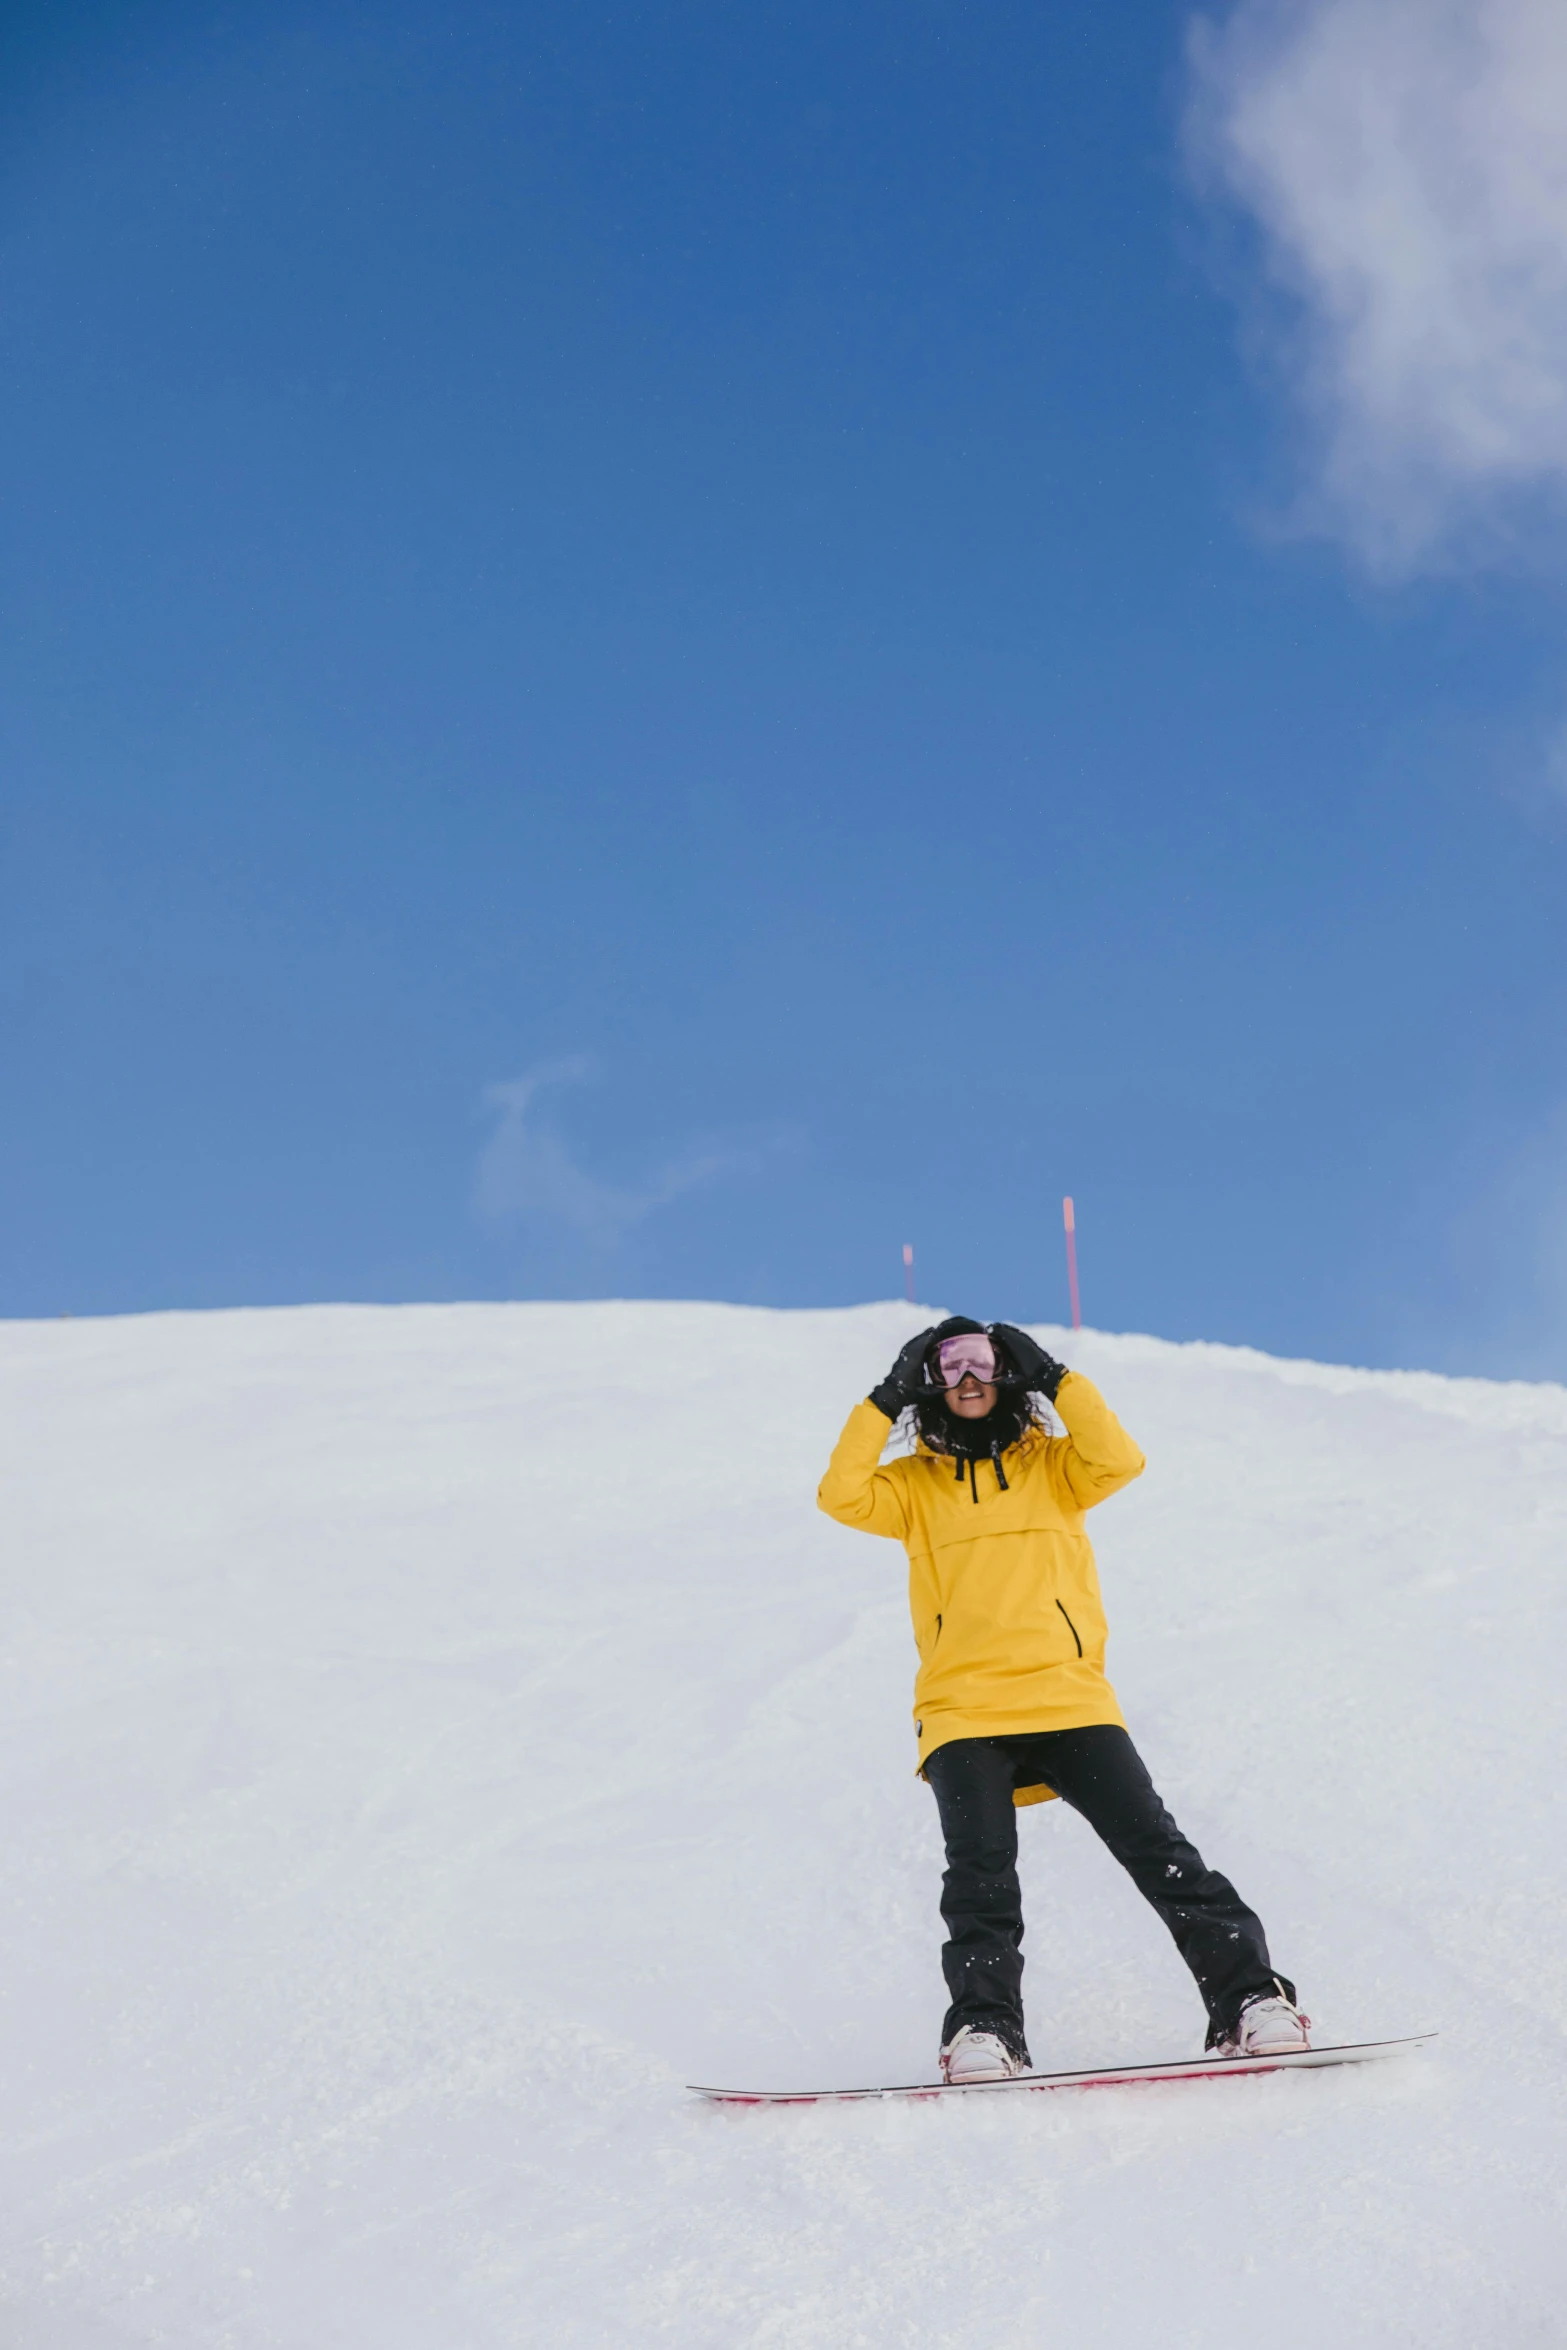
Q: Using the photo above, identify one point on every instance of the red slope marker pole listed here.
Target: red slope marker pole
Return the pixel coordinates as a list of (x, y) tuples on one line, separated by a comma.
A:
[(908, 1270), (1070, 1221)]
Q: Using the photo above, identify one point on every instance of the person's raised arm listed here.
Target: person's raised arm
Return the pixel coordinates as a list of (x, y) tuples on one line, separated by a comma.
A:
[(1098, 1457), (856, 1490)]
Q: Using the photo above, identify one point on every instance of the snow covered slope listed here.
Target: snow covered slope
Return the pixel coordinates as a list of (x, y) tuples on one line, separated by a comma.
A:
[(432, 1736)]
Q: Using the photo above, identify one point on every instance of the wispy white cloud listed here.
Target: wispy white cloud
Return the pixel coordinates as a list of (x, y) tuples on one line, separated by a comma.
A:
[(1510, 1248), (1492, 1213), (1531, 1209), (527, 1169), (1555, 763), (1407, 165)]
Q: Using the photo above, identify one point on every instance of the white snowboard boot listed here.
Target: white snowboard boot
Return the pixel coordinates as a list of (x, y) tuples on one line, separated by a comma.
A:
[(1268, 2026), (978, 2056)]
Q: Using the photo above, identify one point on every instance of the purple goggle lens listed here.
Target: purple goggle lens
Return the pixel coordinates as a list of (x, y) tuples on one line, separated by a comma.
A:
[(957, 1357)]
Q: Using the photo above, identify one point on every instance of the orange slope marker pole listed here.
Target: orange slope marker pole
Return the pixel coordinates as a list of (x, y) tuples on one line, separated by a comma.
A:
[(908, 1270), (1070, 1221)]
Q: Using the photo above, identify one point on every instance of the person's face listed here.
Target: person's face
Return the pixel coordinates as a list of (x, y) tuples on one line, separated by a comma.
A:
[(971, 1399)]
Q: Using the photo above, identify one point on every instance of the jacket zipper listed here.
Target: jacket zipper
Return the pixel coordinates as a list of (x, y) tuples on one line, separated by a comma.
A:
[(1072, 1628)]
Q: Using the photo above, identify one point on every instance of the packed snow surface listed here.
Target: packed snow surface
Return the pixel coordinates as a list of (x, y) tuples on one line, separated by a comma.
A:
[(434, 1736)]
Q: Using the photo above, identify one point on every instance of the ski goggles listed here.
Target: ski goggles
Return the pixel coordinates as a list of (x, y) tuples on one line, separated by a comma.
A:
[(971, 1355)]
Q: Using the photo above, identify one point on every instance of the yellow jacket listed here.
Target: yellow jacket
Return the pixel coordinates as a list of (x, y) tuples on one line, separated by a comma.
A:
[(1004, 1594)]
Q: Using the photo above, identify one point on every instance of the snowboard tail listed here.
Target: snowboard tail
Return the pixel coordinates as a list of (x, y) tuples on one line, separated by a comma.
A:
[(1118, 2076)]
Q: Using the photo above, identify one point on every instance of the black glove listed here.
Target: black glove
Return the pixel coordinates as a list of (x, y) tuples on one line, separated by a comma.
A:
[(906, 1378), (1040, 1373)]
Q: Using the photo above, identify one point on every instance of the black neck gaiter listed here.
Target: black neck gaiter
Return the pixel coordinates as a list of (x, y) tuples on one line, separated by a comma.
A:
[(975, 1440)]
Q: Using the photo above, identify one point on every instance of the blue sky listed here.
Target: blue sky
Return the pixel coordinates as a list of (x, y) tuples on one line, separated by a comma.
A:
[(648, 651)]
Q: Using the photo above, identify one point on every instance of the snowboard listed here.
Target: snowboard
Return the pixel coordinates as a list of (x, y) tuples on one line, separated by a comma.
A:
[(1116, 2076)]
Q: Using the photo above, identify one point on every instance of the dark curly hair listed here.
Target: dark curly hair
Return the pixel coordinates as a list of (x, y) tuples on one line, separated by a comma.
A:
[(1014, 1418)]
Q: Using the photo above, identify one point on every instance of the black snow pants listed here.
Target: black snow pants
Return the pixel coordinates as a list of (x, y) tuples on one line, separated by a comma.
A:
[(1100, 1773)]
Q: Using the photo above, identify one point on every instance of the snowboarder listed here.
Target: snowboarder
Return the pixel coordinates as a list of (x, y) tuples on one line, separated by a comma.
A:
[(1011, 1703)]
